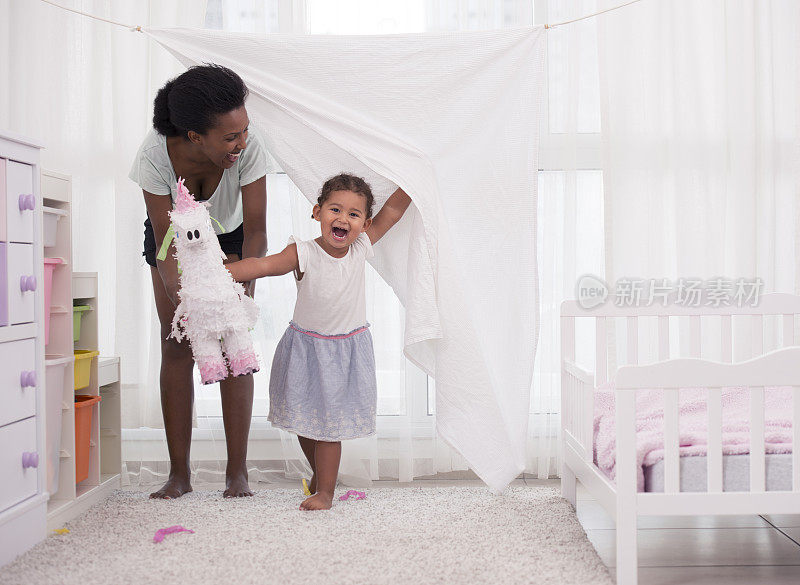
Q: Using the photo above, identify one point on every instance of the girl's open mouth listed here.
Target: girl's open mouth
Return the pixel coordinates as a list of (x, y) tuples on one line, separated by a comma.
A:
[(339, 233), (233, 157)]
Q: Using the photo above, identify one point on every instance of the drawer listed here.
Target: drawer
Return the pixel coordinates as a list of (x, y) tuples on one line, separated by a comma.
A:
[(3, 284), (19, 460), (19, 202), (3, 233), (84, 285), (107, 370), (21, 291), (55, 187), (17, 380)]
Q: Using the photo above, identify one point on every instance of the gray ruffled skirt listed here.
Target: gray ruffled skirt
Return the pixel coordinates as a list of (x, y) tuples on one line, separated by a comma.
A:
[(324, 387)]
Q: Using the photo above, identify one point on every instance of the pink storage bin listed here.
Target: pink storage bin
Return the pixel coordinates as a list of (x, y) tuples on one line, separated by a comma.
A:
[(49, 266)]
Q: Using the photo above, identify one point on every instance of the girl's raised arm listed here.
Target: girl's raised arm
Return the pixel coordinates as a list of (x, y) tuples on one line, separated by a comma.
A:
[(390, 214), (281, 263)]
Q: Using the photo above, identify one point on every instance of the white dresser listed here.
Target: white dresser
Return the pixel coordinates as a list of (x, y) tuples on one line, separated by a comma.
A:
[(23, 499)]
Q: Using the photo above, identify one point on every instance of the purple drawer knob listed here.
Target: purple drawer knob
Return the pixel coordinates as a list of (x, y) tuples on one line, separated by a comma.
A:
[(30, 459), (27, 378), (27, 201), (27, 283)]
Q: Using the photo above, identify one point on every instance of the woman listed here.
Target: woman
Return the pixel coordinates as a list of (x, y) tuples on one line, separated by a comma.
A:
[(201, 132)]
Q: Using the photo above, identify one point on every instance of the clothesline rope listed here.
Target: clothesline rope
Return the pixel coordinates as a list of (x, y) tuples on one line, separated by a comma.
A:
[(591, 15), (132, 28), (138, 28)]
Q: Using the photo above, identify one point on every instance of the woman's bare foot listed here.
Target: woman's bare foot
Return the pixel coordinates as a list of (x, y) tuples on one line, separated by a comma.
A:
[(320, 501), (236, 486), (174, 488)]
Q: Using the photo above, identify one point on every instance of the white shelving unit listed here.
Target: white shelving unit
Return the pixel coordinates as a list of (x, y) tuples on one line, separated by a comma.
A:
[(69, 499)]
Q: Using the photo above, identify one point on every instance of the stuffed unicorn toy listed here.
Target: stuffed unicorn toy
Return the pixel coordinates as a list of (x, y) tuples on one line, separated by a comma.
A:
[(214, 312)]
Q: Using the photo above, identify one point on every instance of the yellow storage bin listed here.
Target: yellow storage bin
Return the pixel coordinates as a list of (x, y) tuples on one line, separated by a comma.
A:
[(83, 367)]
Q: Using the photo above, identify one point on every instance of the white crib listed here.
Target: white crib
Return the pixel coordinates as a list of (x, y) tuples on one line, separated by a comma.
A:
[(779, 367)]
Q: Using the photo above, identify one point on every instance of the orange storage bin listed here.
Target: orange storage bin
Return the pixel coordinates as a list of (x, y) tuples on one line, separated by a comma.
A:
[(83, 434)]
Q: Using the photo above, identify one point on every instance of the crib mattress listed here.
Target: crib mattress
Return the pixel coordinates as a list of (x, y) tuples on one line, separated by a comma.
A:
[(735, 473)]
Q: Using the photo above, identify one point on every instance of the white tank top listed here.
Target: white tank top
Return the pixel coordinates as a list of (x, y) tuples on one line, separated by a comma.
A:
[(331, 295)]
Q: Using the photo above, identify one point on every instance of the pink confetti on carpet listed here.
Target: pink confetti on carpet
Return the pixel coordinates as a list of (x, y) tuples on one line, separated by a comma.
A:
[(358, 495), (162, 532)]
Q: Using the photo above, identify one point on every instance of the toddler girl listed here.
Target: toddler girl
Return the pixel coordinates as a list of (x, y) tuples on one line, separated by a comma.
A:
[(322, 386)]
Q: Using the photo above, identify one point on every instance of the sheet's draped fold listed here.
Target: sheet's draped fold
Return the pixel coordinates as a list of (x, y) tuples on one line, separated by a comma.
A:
[(452, 118)]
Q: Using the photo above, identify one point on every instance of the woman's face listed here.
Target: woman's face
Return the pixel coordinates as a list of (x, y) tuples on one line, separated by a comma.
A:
[(223, 144)]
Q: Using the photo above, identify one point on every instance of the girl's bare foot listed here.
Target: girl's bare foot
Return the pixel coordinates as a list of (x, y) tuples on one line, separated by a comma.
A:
[(175, 487), (320, 501), (236, 485)]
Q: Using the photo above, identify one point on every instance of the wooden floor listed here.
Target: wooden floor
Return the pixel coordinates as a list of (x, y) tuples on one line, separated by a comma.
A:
[(703, 550)]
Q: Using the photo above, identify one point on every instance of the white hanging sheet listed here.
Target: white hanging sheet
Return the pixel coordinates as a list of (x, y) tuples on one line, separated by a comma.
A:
[(452, 118)]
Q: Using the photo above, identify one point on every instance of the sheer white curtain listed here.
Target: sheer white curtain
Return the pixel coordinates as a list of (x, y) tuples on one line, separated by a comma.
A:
[(406, 446), (570, 229), (670, 152), (700, 120)]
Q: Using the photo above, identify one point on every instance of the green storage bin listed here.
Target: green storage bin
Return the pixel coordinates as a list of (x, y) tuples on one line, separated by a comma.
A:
[(77, 313)]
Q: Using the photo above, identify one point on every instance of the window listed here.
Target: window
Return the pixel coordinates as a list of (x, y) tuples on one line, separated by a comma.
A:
[(570, 236)]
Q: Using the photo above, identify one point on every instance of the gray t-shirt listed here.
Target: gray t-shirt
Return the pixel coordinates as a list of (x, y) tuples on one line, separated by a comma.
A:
[(152, 171)]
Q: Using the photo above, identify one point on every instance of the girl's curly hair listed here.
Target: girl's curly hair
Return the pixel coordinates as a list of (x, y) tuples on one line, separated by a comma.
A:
[(345, 182)]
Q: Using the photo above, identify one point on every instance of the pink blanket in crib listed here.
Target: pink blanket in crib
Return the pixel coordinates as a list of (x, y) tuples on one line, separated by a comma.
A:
[(693, 419)]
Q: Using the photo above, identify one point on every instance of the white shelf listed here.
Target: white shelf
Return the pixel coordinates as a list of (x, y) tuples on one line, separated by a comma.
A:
[(108, 370), (61, 511), (71, 499)]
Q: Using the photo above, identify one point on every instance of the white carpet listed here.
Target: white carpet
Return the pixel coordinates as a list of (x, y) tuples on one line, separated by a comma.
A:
[(395, 535)]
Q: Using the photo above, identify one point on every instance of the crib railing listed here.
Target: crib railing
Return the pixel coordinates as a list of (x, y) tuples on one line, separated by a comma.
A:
[(776, 313), (577, 384), (778, 368)]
